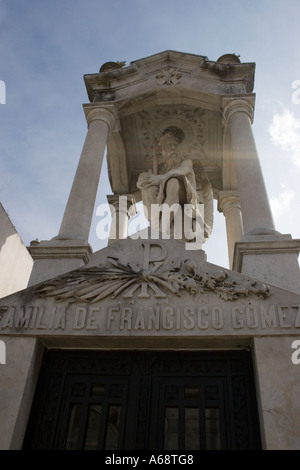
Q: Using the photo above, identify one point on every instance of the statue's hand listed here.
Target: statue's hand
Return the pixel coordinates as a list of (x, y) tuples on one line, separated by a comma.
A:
[(148, 179)]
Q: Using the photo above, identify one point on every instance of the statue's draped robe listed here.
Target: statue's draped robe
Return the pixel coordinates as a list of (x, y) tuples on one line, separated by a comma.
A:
[(156, 194)]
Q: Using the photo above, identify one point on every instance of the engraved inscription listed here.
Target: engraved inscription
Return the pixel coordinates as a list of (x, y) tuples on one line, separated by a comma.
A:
[(166, 318)]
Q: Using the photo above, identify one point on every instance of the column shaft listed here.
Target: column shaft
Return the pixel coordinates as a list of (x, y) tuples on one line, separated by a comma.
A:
[(229, 204), (78, 214), (257, 216), (122, 207)]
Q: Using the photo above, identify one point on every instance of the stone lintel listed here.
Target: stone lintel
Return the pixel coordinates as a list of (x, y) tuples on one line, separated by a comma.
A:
[(150, 342)]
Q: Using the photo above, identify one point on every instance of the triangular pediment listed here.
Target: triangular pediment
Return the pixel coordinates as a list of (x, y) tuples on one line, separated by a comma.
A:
[(116, 78)]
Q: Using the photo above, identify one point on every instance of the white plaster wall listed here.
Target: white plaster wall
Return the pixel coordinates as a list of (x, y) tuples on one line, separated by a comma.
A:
[(18, 379), (15, 260)]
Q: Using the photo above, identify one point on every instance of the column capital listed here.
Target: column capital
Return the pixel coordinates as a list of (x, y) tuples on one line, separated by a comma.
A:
[(227, 199), (105, 113), (122, 202), (232, 105)]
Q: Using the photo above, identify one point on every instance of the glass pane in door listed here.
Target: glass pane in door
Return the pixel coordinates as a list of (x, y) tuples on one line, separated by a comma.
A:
[(192, 429), (212, 429), (171, 428), (112, 428), (73, 427), (93, 426)]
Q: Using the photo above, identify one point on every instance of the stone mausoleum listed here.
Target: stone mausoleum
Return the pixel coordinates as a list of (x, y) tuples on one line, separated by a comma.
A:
[(144, 344)]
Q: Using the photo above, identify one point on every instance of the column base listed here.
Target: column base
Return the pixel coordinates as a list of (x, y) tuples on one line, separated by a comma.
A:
[(261, 231), (271, 258), (56, 256)]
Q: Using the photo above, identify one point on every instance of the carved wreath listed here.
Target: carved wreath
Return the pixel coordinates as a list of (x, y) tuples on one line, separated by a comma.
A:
[(94, 284)]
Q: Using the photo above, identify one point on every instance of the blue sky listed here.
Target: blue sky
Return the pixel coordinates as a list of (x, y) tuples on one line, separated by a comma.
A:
[(46, 46)]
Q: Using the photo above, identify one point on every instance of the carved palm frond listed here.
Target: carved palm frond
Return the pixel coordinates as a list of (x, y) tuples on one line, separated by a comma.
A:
[(94, 284)]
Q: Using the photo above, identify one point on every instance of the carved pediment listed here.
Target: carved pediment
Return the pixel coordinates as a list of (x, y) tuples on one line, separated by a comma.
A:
[(154, 288), (150, 278)]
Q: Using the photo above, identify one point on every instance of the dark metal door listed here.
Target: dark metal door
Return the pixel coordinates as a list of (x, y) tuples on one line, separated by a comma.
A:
[(144, 400)]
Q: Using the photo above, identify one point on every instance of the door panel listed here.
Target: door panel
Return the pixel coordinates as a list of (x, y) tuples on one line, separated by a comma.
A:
[(93, 413), (144, 400), (191, 414)]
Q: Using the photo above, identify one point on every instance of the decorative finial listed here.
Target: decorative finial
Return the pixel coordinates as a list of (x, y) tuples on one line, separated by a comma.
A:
[(111, 66)]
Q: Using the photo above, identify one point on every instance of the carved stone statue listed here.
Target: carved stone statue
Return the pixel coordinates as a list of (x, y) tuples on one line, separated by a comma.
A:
[(177, 181)]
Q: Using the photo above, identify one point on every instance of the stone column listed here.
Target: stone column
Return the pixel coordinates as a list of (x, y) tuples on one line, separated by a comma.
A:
[(256, 212), (262, 253), (122, 207), (278, 391), (229, 204), (78, 214)]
